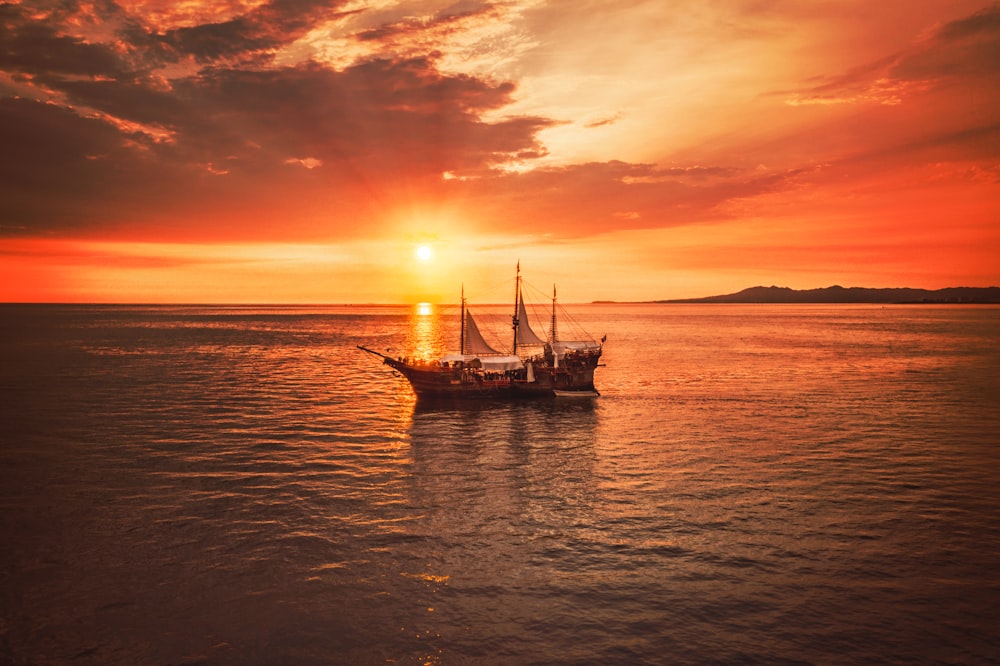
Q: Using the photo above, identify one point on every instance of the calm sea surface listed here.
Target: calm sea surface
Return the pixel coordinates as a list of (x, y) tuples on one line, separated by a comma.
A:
[(756, 484)]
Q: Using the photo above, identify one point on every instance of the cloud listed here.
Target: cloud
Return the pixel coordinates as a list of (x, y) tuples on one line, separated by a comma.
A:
[(959, 50), (306, 162), (33, 46), (192, 129), (420, 28), (260, 30), (162, 15), (965, 144), (600, 122), (594, 198), (54, 163), (192, 120), (965, 51), (366, 129)]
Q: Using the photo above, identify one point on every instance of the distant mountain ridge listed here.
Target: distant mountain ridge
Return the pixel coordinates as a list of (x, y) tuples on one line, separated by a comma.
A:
[(838, 294)]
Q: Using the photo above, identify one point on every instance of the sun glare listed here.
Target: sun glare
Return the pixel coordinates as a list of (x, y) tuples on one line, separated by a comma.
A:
[(425, 252)]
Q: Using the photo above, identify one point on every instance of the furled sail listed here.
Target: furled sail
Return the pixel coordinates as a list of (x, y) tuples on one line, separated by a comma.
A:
[(525, 336), (474, 342)]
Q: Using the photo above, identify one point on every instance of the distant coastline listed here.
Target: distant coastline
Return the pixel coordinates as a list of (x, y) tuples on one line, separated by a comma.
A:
[(838, 294)]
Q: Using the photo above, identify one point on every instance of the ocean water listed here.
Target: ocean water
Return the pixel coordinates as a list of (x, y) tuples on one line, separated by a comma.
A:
[(756, 484)]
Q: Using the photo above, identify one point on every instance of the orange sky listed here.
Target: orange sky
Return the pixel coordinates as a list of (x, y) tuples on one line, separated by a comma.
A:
[(274, 151)]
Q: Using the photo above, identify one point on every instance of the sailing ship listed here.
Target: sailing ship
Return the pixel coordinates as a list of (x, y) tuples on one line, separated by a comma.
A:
[(536, 367)]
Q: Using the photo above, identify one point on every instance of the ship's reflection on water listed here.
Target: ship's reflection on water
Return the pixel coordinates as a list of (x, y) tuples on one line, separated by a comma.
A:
[(499, 488), (517, 431)]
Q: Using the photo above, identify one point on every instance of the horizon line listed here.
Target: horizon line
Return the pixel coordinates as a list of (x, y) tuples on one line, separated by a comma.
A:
[(291, 304)]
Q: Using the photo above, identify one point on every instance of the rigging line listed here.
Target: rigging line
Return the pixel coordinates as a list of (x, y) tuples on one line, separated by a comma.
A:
[(575, 326), (538, 305), (570, 328), (495, 293)]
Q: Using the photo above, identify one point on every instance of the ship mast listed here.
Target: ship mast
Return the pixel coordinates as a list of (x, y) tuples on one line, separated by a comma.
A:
[(554, 336), (461, 344), (517, 292)]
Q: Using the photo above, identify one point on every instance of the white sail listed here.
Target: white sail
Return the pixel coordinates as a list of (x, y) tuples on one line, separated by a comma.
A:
[(525, 336), (474, 342)]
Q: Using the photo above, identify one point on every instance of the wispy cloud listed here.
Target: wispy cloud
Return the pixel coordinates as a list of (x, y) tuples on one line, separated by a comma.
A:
[(965, 51)]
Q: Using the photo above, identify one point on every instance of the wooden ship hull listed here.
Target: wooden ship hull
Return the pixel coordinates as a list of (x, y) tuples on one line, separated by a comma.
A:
[(574, 375)]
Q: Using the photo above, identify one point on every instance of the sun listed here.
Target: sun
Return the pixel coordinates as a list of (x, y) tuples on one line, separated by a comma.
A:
[(425, 252)]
